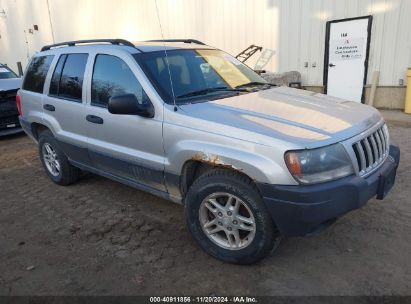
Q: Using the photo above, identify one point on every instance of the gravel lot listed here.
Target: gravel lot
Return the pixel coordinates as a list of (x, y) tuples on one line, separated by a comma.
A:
[(98, 237)]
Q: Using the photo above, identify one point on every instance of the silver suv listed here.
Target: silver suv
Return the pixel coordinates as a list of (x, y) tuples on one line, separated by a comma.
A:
[(250, 162)]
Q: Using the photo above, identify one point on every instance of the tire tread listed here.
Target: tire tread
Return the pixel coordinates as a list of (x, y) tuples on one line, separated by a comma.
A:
[(250, 190)]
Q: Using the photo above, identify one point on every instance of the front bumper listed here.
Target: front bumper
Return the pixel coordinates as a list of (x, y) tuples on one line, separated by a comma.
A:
[(9, 124), (305, 209), (10, 131)]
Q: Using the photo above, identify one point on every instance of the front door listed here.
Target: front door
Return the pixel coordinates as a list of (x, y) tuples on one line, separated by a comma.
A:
[(125, 146), (346, 57)]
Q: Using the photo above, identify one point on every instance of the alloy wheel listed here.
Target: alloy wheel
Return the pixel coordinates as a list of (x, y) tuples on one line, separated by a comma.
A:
[(51, 160), (227, 221)]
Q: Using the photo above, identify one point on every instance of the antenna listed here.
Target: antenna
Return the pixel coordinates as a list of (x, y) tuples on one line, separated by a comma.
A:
[(168, 64)]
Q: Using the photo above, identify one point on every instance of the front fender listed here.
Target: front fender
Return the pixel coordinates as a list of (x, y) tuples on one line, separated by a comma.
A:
[(252, 161)]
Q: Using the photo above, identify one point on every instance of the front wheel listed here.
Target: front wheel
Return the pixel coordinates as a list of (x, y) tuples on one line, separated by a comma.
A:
[(227, 217)]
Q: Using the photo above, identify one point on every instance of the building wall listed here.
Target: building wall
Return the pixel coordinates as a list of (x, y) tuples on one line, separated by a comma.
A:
[(295, 29)]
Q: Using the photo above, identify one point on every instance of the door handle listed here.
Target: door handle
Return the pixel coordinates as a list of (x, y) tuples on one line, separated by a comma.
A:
[(95, 119), (331, 65), (49, 107)]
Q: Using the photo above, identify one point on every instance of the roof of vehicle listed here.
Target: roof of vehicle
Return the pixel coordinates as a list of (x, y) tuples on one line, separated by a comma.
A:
[(4, 66), (140, 46), (152, 46)]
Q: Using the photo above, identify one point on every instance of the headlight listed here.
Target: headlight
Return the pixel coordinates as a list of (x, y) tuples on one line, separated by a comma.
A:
[(319, 165)]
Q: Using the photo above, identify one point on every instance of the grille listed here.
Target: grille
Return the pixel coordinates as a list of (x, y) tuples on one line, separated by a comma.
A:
[(371, 150), (8, 95), (8, 103), (8, 109), (5, 121)]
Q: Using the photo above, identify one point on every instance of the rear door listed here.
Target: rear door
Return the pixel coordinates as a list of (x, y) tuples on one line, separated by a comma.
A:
[(126, 146), (63, 105)]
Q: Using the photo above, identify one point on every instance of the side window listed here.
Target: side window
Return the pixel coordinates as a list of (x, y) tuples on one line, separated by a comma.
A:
[(55, 80), (67, 80), (113, 77), (36, 73)]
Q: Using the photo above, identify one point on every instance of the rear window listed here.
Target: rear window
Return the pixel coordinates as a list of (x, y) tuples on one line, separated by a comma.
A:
[(36, 73), (67, 80)]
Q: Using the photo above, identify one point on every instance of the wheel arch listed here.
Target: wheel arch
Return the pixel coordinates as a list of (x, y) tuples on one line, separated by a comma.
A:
[(194, 168), (37, 128)]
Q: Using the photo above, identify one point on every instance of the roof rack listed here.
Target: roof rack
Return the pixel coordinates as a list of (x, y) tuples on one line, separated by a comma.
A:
[(179, 40), (73, 43)]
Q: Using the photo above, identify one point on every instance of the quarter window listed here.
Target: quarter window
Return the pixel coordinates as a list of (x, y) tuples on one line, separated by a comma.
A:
[(67, 80), (36, 73), (113, 77)]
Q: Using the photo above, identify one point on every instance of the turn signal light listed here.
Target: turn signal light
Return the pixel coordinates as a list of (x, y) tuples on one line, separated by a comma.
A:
[(293, 163)]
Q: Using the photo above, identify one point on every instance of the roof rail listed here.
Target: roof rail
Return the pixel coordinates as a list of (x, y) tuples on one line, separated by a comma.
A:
[(73, 43), (179, 40)]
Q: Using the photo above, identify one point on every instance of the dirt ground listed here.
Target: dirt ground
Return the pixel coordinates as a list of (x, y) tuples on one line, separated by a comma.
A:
[(98, 237)]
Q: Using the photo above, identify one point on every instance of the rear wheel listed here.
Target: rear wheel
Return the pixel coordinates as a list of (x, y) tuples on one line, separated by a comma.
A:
[(55, 162), (228, 219)]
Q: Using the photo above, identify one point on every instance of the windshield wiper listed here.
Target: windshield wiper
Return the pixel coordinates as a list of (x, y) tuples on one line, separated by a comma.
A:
[(209, 90), (254, 83)]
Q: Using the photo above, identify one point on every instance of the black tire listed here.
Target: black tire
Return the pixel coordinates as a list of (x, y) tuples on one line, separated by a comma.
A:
[(67, 174), (266, 236)]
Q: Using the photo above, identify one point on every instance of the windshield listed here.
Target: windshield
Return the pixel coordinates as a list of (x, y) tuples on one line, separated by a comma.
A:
[(197, 74), (6, 73)]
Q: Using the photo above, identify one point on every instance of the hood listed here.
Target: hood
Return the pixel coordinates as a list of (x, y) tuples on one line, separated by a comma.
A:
[(284, 113), (10, 84)]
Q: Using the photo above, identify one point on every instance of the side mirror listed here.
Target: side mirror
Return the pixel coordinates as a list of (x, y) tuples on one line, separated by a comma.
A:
[(128, 104)]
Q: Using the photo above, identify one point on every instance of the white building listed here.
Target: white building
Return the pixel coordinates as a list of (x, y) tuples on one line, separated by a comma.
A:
[(295, 29)]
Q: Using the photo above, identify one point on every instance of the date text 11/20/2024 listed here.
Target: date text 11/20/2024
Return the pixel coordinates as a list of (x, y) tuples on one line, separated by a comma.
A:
[(208, 299)]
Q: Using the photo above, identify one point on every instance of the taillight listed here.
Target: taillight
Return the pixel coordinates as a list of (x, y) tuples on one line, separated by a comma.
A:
[(18, 104)]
